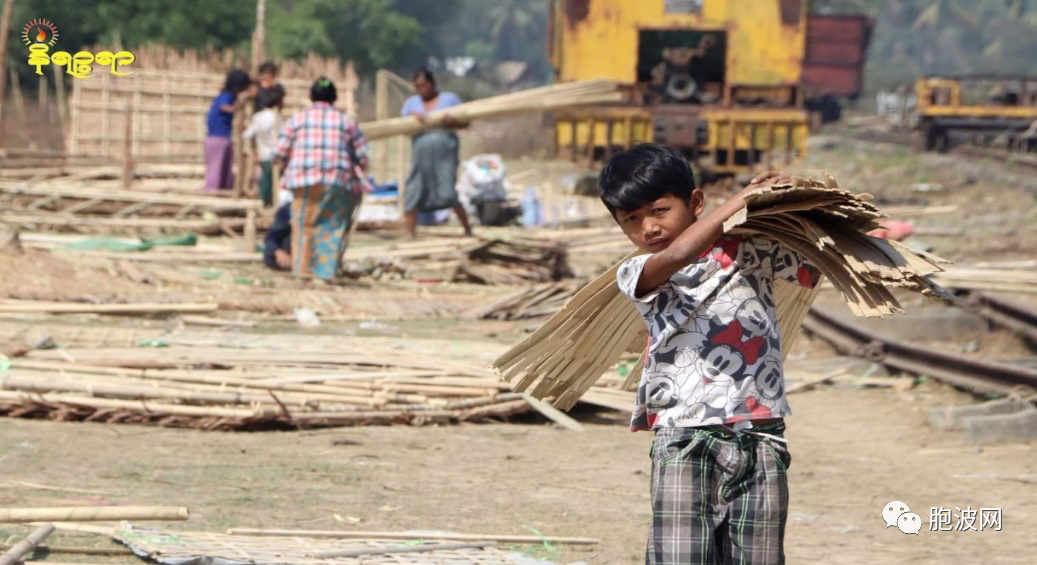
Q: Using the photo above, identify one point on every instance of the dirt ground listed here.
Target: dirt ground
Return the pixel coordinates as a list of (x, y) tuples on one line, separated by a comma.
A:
[(854, 449)]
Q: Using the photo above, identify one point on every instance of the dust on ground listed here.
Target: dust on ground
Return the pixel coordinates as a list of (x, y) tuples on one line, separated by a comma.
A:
[(854, 450)]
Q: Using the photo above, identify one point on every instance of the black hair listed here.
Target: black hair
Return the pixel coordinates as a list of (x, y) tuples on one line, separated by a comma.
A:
[(643, 175), (426, 74), (270, 97), (323, 90), (237, 81), (268, 67)]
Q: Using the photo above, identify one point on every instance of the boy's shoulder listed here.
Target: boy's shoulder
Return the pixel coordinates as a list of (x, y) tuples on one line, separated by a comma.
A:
[(727, 254)]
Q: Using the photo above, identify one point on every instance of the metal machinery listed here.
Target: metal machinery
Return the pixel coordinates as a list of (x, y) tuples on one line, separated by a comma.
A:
[(722, 80), (987, 109)]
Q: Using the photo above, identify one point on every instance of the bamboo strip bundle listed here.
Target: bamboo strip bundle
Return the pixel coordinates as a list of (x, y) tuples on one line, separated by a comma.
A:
[(513, 262), (533, 302), (825, 224), (577, 93)]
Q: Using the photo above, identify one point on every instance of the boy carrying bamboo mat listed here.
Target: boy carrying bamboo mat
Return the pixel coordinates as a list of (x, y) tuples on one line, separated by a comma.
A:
[(712, 388)]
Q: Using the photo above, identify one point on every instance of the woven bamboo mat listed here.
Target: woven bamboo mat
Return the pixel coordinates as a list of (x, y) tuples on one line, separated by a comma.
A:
[(204, 548)]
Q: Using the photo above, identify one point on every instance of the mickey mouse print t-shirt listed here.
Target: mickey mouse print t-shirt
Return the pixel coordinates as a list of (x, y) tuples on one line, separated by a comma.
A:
[(714, 353)]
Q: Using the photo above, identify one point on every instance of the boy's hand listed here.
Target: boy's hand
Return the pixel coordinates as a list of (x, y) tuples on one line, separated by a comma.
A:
[(769, 178)]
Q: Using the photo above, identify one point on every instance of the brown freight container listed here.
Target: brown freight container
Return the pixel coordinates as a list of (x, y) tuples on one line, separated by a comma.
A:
[(835, 54)]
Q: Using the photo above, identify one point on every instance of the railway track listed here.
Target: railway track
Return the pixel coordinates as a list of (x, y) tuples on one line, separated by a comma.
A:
[(1002, 313), (979, 375)]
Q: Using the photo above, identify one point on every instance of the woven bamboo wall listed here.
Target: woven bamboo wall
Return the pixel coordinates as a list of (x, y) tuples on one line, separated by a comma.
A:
[(169, 94)]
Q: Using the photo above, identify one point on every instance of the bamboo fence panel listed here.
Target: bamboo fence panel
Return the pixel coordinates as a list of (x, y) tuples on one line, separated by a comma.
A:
[(169, 92)]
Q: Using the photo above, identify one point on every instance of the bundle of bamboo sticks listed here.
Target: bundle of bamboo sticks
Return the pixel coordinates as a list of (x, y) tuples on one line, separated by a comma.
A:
[(516, 261), (219, 381), (533, 302), (818, 220), (576, 93)]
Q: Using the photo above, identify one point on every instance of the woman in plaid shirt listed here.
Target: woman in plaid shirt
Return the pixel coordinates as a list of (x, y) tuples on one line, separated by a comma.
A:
[(321, 154)]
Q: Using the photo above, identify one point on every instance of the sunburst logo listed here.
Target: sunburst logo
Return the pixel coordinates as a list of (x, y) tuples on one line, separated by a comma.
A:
[(40, 30)]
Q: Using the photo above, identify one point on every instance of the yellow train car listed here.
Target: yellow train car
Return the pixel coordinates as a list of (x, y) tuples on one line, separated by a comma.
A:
[(983, 107), (720, 79)]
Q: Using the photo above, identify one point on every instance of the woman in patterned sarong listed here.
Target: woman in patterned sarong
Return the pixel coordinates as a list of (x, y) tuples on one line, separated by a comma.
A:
[(322, 154)]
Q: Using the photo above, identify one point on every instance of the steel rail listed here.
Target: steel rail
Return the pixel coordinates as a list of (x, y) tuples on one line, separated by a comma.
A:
[(979, 375)]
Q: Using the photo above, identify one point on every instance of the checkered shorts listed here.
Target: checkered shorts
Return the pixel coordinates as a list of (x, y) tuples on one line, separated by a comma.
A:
[(717, 497)]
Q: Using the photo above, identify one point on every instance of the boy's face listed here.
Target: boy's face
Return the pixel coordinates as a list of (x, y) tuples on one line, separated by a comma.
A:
[(267, 79), (654, 226)]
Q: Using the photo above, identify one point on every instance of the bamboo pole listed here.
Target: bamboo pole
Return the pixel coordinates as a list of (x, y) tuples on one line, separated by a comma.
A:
[(41, 97), (5, 28), (11, 556), (93, 513), (127, 149), (532, 100), (402, 172), (125, 309), (139, 406), (336, 534), (16, 92), (401, 549), (381, 112), (248, 242), (77, 191), (79, 550), (59, 96), (259, 35)]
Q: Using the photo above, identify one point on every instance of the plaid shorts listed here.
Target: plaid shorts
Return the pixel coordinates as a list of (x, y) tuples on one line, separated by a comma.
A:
[(718, 497)]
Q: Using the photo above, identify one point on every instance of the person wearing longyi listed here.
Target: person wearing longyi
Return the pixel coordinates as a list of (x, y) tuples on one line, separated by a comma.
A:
[(712, 390), (432, 182), (322, 155), (218, 150)]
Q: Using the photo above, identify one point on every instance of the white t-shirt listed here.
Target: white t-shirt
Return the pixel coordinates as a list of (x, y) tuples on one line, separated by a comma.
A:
[(714, 353), (265, 126)]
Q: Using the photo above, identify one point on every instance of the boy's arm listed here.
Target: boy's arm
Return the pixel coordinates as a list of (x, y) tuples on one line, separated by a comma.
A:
[(697, 238)]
